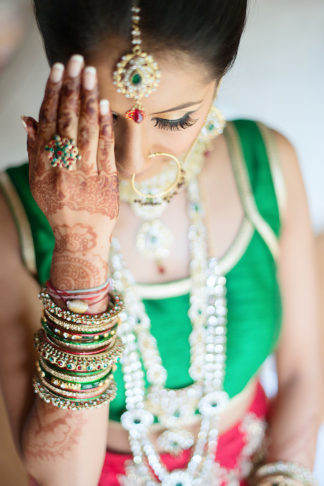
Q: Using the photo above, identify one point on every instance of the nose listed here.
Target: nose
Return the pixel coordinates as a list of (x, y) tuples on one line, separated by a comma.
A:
[(132, 148)]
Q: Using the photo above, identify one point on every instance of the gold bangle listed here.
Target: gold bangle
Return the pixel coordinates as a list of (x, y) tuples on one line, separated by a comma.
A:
[(78, 379), (64, 403), (77, 363), (80, 394), (80, 328), (107, 344), (115, 306)]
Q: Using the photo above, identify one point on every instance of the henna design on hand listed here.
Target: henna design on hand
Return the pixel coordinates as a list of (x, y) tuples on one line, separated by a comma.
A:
[(74, 238), (46, 192), (106, 142), (95, 194), (70, 272), (88, 129), (55, 432), (48, 110), (69, 107)]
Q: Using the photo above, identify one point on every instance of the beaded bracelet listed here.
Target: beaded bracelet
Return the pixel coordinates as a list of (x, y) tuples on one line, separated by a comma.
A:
[(278, 480), (288, 470), (78, 354)]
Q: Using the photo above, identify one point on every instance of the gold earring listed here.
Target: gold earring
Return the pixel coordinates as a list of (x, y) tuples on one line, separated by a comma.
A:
[(158, 198), (214, 125)]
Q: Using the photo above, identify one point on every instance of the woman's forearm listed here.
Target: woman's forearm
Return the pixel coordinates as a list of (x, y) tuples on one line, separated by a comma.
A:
[(62, 447), (294, 422)]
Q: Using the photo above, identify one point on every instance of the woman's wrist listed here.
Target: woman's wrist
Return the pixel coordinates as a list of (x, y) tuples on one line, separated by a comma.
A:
[(79, 271)]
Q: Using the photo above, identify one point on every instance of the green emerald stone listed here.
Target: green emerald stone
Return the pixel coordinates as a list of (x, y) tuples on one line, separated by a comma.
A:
[(136, 78)]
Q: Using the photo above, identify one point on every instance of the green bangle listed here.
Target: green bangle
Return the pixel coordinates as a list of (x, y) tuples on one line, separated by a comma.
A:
[(74, 404)]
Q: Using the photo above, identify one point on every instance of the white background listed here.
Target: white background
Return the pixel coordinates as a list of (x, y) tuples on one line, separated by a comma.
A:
[(278, 78)]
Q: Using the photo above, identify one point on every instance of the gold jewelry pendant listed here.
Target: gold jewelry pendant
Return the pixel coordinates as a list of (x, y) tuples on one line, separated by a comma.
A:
[(137, 74), (153, 241)]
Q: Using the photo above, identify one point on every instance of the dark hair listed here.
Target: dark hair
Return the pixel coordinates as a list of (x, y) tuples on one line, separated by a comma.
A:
[(209, 30)]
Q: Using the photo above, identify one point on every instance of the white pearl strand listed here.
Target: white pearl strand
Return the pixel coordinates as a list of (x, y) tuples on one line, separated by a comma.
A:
[(208, 313)]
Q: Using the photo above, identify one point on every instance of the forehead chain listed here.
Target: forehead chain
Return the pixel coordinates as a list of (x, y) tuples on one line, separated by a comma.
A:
[(136, 74)]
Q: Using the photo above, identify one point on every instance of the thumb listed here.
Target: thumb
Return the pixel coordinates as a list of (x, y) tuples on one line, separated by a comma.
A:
[(31, 126)]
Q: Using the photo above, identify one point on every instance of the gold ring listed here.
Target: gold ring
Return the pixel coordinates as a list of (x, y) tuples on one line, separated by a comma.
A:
[(169, 192)]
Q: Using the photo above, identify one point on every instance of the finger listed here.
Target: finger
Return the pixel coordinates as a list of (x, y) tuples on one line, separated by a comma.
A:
[(106, 152), (49, 106), (69, 104), (88, 130)]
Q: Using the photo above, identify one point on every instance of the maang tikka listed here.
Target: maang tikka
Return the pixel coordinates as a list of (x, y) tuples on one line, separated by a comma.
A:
[(137, 74)]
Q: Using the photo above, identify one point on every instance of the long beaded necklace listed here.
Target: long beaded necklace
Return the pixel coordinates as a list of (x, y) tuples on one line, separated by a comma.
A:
[(208, 315)]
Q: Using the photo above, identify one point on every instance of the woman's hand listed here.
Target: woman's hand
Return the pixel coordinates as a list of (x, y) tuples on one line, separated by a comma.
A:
[(81, 204)]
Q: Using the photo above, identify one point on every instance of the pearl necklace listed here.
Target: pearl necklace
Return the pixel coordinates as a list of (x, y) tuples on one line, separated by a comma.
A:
[(208, 314)]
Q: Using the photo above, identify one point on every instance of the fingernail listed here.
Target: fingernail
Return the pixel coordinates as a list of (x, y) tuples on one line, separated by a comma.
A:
[(89, 79), (75, 65), (57, 72), (104, 107), (24, 124)]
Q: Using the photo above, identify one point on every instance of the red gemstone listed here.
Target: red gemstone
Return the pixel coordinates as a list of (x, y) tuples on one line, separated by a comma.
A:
[(136, 115), (161, 268)]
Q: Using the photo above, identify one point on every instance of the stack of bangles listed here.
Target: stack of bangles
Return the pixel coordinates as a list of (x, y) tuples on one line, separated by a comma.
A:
[(78, 352), (283, 474)]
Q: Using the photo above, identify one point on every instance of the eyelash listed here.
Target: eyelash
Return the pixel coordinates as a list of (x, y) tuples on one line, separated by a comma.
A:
[(174, 125), (180, 124)]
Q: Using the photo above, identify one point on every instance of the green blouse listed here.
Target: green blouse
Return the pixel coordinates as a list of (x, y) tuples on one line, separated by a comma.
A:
[(254, 303)]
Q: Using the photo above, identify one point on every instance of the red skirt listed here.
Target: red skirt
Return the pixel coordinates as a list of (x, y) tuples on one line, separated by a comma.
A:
[(235, 451)]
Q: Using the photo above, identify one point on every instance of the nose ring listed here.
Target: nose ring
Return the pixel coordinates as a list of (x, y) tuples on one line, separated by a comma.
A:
[(154, 199)]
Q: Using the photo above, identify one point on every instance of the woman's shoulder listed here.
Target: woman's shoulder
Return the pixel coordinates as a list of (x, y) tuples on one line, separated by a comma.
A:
[(249, 127)]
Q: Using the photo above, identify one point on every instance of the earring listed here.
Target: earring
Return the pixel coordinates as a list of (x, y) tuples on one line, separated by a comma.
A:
[(214, 125)]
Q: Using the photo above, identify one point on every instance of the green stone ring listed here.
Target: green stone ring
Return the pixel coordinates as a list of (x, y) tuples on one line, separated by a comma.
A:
[(62, 152)]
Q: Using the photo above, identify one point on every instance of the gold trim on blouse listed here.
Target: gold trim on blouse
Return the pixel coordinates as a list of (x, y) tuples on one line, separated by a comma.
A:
[(275, 167), (246, 193), (22, 223)]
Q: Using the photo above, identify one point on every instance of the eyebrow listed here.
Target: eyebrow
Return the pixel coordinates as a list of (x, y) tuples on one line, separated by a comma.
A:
[(179, 107)]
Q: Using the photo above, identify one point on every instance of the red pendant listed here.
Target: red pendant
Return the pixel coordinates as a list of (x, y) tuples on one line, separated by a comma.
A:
[(136, 115), (160, 267)]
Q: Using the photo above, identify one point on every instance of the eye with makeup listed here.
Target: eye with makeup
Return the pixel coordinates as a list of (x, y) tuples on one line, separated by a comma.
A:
[(179, 124), (182, 123)]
